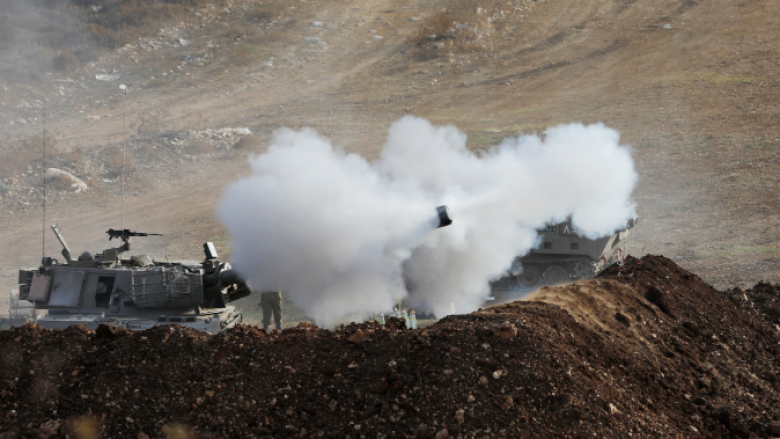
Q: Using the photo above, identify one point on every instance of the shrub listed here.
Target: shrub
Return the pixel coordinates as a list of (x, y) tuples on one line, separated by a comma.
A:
[(99, 32), (66, 62), (86, 55)]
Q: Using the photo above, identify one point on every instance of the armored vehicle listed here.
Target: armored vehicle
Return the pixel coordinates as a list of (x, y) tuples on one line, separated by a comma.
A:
[(135, 292), (563, 256)]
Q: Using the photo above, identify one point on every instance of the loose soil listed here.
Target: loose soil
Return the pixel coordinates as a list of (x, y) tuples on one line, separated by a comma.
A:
[(656, 354)]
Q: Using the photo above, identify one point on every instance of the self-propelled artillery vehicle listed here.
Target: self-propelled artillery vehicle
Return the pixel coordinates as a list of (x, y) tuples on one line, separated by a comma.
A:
[(563, 255), (135, 292)]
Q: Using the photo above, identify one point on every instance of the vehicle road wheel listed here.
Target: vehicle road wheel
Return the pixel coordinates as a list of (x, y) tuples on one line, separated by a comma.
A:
[(555, 276), (530, 277), (584, 270)]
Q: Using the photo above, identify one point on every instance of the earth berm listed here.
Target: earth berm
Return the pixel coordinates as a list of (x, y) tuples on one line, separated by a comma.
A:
[(656, 354)]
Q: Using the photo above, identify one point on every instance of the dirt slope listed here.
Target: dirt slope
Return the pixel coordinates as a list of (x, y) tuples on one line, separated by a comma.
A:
[(659, 354)]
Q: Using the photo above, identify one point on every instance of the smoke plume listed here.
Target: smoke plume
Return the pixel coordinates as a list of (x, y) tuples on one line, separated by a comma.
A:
[(345, 238)]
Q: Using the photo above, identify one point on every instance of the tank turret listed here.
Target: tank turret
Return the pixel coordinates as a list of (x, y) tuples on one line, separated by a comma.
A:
[(136, 292)]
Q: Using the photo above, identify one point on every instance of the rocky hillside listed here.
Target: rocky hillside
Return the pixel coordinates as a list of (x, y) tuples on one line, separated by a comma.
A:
[(691, 85)]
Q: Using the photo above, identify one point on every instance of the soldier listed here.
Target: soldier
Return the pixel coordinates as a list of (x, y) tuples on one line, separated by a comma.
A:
[(271, 302)]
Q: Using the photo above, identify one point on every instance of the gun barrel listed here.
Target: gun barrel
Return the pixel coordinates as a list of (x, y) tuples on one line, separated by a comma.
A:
[(124, 234), (65, 249), (443, 213)]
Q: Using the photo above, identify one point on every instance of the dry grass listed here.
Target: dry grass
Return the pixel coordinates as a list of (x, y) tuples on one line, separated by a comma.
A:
[(100, 33)]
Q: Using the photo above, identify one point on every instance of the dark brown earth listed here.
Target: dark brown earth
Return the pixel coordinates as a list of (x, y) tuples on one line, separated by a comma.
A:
[(660, 354)]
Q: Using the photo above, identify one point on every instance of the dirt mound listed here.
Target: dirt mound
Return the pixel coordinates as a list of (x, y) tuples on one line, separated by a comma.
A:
[(763, 298), (658, 354)]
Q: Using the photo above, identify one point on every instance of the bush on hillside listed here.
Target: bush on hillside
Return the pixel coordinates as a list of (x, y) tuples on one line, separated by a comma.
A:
[(66, 62)]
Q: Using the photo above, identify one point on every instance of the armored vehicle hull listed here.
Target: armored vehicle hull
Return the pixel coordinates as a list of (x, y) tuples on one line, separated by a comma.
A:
[(212, 321), (19, 312), (136, 292), (563, 256)]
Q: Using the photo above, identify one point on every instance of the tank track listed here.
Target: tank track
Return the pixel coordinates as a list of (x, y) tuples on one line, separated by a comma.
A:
[(551, 270)]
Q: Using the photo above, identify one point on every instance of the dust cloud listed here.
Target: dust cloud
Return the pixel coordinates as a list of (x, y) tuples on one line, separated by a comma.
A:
[(345, 238)]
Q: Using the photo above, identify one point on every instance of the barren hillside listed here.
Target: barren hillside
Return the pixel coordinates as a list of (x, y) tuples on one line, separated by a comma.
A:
[(692, 85)]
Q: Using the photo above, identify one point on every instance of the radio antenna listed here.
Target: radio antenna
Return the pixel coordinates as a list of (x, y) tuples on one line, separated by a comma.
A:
[(43, 225), (124, 147)]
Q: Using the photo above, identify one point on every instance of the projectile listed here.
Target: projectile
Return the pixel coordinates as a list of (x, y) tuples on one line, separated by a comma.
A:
[(444, 216)]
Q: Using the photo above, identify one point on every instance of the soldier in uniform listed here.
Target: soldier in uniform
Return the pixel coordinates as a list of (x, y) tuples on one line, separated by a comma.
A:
[(271, 302)]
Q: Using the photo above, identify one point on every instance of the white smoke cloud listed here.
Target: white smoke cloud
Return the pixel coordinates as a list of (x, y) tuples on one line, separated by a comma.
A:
[(344, 237)]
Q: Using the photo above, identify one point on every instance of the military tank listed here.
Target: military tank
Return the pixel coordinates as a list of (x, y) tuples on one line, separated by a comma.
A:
[(134, 292), (562, 256)]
